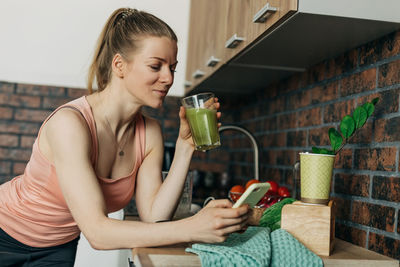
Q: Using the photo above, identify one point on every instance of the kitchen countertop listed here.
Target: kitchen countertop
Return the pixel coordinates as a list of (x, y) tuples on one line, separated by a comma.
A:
[(344, 254)]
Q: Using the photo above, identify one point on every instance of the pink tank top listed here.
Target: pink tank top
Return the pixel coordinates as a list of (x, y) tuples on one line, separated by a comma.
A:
[(32, 207)]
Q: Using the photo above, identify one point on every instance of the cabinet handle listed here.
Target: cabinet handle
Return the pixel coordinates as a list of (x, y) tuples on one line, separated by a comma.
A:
[(212, 61), (233, 41), (262, 15), (197, 74), (187, 84)]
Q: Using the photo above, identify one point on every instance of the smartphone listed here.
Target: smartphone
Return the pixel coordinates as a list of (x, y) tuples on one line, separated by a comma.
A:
[(252, 195)]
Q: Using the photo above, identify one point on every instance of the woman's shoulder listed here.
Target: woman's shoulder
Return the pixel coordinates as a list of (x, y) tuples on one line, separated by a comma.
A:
[(66, 120), (151, 124)]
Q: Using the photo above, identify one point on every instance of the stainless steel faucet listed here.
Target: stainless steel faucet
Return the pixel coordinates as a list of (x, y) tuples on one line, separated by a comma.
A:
[(253, 141)]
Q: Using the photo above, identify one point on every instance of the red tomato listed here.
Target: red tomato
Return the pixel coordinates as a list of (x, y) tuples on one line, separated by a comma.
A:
[(274, 186), (283, 191), (252, 181), (235, 192)]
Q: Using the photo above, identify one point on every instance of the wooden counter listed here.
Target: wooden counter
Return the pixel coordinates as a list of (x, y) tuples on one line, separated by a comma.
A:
[(344, 254)]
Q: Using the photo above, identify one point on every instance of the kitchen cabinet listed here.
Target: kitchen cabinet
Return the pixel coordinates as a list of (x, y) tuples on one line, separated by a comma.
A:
[(291, 37)]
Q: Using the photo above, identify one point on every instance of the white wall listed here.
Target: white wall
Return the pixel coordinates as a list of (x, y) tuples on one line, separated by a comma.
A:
[(50, 42)]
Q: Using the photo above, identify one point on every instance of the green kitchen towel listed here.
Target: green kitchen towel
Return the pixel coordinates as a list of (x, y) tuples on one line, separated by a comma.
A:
[(256, 247)]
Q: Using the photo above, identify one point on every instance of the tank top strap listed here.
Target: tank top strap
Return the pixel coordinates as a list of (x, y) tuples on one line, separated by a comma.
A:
[(140, 142), (82, 106)]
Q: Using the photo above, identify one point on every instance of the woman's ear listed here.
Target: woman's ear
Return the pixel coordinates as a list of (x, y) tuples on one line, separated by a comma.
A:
[(118, 65)]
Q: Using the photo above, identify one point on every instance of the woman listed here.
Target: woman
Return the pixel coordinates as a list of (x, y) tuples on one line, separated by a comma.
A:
[(93, 153)]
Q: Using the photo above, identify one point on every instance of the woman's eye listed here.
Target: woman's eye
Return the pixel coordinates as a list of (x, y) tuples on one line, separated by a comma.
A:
[(154, 67), (172, 70)]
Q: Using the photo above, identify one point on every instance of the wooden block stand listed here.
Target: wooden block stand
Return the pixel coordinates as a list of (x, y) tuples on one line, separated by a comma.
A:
[(313, 225)]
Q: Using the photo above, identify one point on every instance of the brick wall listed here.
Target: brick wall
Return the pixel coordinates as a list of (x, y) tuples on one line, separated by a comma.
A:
[(23, 108), (293, 115)]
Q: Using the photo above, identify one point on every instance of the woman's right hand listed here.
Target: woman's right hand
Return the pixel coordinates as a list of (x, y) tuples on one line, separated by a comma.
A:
[(216, 221)]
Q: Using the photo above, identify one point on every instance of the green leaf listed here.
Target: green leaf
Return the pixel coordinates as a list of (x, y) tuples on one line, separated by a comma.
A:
[(374, 101), (335, 138), (369, 107), (317, 150), (360, 116), (347, 126)]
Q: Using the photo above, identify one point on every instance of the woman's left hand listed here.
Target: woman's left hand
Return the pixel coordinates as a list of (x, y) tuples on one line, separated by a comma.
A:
[(184, 130)]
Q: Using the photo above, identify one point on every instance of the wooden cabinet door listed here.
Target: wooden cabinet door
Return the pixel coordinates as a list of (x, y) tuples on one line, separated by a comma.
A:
[(197, 31), (206, 30)]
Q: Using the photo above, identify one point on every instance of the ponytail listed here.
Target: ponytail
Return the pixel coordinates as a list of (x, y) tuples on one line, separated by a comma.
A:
[(120, 34)]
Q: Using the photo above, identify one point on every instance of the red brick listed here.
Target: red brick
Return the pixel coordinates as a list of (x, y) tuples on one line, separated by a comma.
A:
[(375, 159), (358, 82), (352, 184), (287, 121), (385, 47), (277, 105), (20, 100), (351, 234), (27, 141), (341, 64), (273, 174), (31, 115), (270, 124), (173, 124), (268, 157), (5, 167), (319, 136), (252, 126), (19, 127), (388, 101), (248, 113), (292, 83), (309, 117), (7, 87), (299, 100), (384, 245), (170, 137), (8, 140), (336, 111), (273, 140), (15, 154), (376, 216), (344, 159), (286, 157), (53, 102), (219, 155), (30, 89), (362, 135), (6, 113), (19, 168), (76, 92), (296, 138), (324, 93), (386, 188), (389, 74), (387, 130), (341, 208), (315, 74)]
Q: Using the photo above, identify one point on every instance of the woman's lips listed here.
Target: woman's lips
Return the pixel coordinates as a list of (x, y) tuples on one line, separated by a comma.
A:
[(161, 92)]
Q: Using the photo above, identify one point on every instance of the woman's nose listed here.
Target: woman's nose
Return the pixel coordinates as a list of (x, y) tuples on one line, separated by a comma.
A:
[(167, 76)]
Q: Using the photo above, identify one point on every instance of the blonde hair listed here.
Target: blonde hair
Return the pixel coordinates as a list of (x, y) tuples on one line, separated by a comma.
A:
[(121, 34)]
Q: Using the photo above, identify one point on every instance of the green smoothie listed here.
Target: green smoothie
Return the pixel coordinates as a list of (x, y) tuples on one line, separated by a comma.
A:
[(203, 125)]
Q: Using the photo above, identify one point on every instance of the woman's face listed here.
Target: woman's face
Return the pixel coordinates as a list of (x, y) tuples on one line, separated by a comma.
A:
[(150, 73)]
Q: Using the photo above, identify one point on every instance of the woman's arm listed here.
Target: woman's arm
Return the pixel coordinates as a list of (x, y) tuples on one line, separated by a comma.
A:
[(70, 142), (157, 201)]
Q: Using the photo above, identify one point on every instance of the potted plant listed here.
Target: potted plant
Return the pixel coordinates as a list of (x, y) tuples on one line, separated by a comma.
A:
[(316, 168)]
